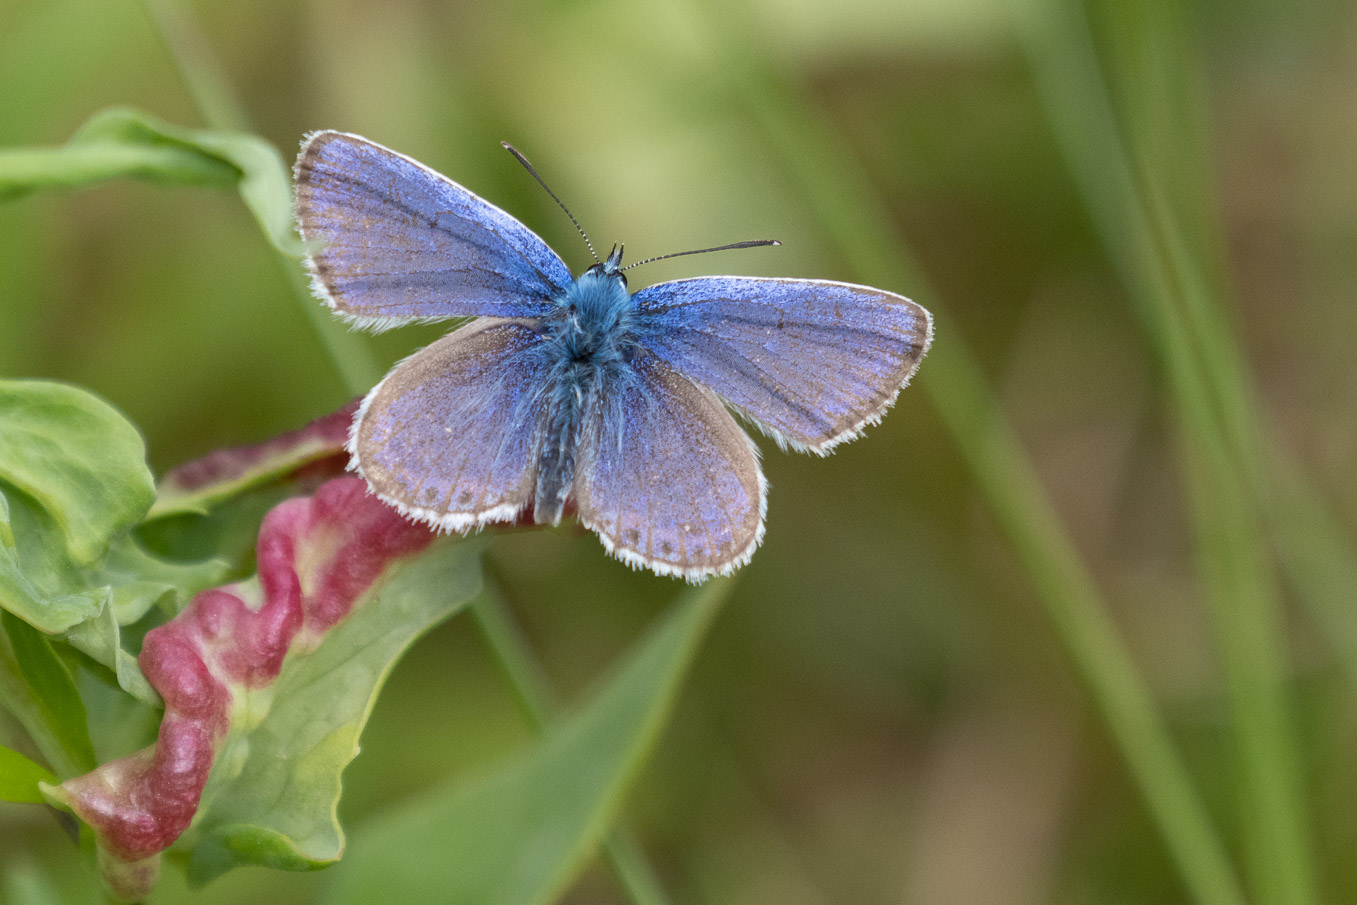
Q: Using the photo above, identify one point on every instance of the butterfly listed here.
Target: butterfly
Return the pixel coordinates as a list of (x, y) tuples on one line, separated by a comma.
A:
[(574, 390)]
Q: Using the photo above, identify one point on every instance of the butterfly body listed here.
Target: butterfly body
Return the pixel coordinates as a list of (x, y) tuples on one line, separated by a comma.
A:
[(574, 389), (588, 345)]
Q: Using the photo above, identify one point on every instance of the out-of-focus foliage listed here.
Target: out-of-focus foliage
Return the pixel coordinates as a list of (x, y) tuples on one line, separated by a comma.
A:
[(883, 712)]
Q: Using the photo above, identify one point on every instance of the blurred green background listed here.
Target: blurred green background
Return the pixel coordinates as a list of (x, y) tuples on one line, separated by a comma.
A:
[(886, 711)]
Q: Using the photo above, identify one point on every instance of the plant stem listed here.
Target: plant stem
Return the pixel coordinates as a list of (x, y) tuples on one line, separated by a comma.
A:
[(201, 71), (217, 103)]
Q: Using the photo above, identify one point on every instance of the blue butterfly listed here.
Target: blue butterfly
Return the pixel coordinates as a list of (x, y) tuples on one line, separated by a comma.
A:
[(574, 389)]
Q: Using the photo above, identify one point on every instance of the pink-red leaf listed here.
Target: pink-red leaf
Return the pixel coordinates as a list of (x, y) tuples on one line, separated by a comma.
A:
[(197, 485), (319, 558)]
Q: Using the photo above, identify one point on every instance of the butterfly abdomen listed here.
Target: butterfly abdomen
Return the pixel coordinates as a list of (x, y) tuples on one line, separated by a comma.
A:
[(570, 384)]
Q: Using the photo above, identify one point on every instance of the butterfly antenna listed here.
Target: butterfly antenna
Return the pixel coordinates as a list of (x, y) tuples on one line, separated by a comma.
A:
[(753, 243), (518, 155)]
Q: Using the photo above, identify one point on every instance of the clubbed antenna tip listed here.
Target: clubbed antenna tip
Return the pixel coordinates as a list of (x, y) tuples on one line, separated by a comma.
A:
[(752, 243)]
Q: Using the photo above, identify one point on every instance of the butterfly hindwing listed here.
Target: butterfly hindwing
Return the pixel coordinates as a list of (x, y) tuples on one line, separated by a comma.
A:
[(666, 477), (811, 361), (450, 435), (396, 241)]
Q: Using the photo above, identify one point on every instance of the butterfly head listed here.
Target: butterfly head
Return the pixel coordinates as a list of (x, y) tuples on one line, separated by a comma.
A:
[(612, 267), (592, 321)]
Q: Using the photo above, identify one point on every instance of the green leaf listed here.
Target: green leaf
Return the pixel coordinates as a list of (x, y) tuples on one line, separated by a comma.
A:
[(19, 596), (227, 533), (78, 458), (272, 800), (125, 143), (6, 532), (521, 834), (267, 684), (141, 580), (101, 639), (87, 606), (19, 778), (265, 182), (68, 565), (128, 143), (23, 170), (37, 577), (38, 689), (129, 584)]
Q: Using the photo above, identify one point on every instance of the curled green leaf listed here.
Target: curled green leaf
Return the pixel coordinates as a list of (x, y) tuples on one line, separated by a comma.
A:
[(126, 143), (73, 482), (81, 460)]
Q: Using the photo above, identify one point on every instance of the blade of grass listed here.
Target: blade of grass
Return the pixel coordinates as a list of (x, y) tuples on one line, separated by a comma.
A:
[(1317, 553), (198, 67), (522, 832), (19, 778), (852, 215), (1249, 623), (37, 689), (514, 656), (1118, 162)]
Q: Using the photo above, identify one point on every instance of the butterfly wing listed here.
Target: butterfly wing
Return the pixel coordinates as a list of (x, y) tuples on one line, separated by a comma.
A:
[(449, 436), (811, 361), (399, 242), (666, 477)]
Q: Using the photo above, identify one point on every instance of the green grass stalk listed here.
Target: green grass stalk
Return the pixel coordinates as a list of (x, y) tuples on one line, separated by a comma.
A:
[(1119, 156), (843, 200)]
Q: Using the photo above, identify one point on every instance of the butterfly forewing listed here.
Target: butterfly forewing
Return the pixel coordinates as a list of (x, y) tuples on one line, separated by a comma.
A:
[(666, 477), (395, 241), (811, 361), (450, 435)]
